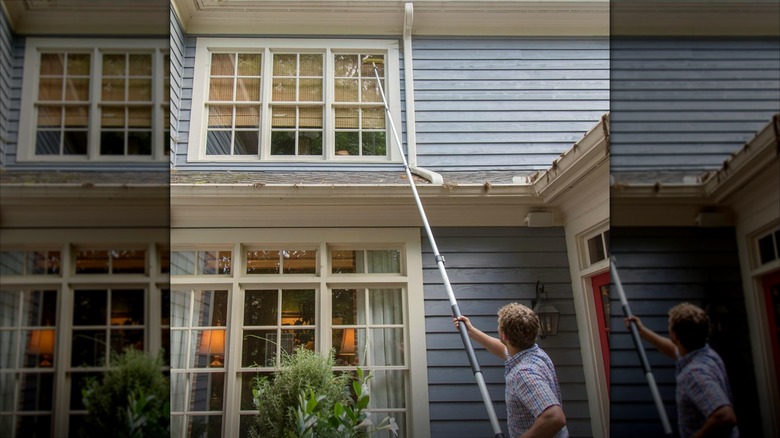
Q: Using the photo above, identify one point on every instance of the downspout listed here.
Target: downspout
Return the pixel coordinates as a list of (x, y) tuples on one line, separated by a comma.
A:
[(411, 123)]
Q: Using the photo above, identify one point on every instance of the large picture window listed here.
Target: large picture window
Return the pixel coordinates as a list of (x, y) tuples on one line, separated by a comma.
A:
[(303, 100), (104, 100), (283, 295)]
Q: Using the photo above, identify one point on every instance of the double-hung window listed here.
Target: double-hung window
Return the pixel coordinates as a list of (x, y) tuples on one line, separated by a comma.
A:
[(87, 100), (293, 100)]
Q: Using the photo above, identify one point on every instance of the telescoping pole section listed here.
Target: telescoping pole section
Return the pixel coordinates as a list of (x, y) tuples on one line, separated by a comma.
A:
[(440, 263), (659, 404)]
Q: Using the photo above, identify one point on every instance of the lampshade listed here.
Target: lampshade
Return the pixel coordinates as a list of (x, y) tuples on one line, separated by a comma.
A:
[(548, 318), (348, 343), (42, 344), (212, 344)]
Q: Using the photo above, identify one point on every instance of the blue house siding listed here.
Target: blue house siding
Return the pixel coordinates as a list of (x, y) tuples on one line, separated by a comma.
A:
[(689, 104), (177, 63), (489, 267), (659, 268), (6, 57), (506, 104)]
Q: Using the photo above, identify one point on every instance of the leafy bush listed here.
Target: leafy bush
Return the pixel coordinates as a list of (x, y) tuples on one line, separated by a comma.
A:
[(348, 420), (131, 400), (300, 372)]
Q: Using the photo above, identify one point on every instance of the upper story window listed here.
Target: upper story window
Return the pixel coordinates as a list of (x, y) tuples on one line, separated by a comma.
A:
[(292, 100), (104, 100)]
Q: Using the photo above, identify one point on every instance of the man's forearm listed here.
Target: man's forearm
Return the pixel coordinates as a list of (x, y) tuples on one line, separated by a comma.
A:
[(547, 424), (718, 424)]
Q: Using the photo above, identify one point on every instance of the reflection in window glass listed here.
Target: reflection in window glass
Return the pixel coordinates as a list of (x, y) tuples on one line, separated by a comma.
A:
[(365, 261)]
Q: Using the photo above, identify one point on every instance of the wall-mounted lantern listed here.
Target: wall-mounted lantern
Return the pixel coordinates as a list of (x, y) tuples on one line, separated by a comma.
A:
[(548, 314)]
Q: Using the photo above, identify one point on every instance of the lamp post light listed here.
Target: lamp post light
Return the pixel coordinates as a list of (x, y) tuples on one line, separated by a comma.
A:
[(548, 314)]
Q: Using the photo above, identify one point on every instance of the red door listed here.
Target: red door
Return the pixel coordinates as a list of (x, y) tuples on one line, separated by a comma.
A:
[(772, 295), (601, 298)]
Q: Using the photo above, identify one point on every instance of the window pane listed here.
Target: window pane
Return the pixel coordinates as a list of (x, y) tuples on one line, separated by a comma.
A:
[(247, 116), (182, 262), (34, 425), (139, 143), (112, 143), (374, 144), (8, 348), (346, 345), (127, 338), (383, 261), (301, 338), (127, 307), (49, 116), (258, 348), (249, 64), (283, 116), (310, 143), (260, 307), (388, 346), (220, 116), (596, 249), (282, 143), (248, 89), (178, 349), (92, 262), (310, 117), (88, 348), (207, 392), (311, 65), (299, 262), (213, 262), (386, 306), (89, 307), (47, 143), (114, 64), (373, 118), (348, 143), (35, 392), (370, 91), (74, 143), (113, 90), (128, 262), (11, 263), (367, 68), (52, 64), (310, 90), (139, 90), (40, 308), (206, 426), (284, 90), (262, 262), (222, 64), (50, 89), (9, 302), (78, 64), (178, 382), (347, 307), (346, 65), (285, 65), (346, 90), (210, 348), (221, 89), (247, 143), (298, 307), (210, 308), (7, 392), (140, 65), (345, 261), (76, 116), (112, 117), (387, 389), (766, 249), (218, 143), (39, 348)]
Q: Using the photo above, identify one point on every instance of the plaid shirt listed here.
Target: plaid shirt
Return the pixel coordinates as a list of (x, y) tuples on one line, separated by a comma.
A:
[(702, 387), (531, 387)]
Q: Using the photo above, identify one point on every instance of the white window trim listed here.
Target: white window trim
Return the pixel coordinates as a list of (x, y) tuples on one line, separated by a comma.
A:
[(196, 150), (27, 115), (417, 416)]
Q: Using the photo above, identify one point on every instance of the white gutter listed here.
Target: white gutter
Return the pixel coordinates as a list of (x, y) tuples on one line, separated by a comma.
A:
[(411, 122)]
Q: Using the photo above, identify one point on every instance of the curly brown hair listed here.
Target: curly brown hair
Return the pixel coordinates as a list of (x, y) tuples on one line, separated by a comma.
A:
[(690, 324), (520, 324)]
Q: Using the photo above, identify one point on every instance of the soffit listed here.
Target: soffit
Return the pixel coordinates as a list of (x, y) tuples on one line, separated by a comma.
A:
[(382, 17), (89, 17)]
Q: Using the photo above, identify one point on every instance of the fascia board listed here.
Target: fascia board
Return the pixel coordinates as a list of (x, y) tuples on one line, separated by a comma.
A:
[(757, 154), (575, 164), (381, 17)]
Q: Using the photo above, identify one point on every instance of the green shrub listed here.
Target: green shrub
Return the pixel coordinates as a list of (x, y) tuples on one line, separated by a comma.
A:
[(300, 372), (131, 400)]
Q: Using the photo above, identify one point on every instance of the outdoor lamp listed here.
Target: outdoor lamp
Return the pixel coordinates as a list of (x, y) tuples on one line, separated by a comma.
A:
[(548, 314)]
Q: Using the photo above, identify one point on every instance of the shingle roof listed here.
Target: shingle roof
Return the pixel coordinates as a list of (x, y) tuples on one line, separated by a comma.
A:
[(153, 178)]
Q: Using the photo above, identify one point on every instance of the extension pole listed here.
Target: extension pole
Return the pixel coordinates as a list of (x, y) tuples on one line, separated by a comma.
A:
[(442, 270), (659, 404)]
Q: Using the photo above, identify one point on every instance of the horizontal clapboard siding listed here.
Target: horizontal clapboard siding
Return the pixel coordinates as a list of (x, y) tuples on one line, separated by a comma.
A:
[(177, 65), (489, 267), (12, 84), (6, 58), (689, 104), (659, 268), (505, 104)]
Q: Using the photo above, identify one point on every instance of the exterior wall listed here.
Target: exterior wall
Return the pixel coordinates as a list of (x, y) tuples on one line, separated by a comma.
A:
[(11, 53), (506, 104), (6, 50), (489, 267), (177, 62), (659, 268), (688, 104), (479, 103)]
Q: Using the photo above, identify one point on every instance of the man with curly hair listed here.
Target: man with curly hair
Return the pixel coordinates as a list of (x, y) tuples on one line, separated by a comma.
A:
[(704, 401), (533, 395)]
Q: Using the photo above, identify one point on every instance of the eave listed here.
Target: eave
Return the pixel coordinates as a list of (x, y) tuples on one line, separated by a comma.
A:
[(383, 17), (703, 200), (88, 17)]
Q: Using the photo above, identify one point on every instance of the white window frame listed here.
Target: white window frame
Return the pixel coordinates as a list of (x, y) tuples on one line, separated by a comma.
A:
[(96, 47), (153, 282), (409, 280), (196, 150)]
